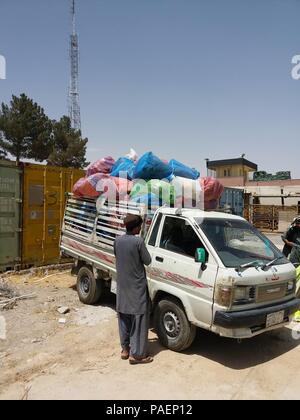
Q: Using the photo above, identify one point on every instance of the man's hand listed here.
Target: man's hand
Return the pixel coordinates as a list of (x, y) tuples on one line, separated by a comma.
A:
[(291, 244)]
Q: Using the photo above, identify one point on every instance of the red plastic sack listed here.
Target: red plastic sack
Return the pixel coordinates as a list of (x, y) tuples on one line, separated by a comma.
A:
[(103, 166), (212, 189), (87, 187)]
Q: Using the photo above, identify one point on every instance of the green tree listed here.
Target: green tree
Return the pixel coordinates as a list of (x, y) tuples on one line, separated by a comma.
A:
[(69, 148), (3, 154), (25, 129)]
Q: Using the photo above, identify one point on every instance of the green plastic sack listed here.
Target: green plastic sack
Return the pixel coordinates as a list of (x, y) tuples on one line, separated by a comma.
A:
[(163, 190), (139, 189)]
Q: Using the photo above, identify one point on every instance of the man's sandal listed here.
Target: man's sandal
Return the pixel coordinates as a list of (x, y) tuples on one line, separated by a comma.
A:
[(125, 354), (145, 360)]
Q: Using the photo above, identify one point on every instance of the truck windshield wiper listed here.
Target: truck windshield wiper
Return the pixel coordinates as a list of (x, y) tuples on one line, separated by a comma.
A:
[(248, 265), (269, 264)]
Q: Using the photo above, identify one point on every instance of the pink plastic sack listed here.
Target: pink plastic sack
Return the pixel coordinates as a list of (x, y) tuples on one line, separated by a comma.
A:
[(123, 185), (114, 188), (87, 187), (103, 166), (212, 189)]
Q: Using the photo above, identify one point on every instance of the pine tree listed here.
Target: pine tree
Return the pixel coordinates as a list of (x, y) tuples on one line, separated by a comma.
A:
[(69, 148), (25, 130)]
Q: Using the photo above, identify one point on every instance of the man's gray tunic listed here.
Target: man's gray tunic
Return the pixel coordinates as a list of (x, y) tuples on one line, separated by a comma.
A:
[(132, 289)]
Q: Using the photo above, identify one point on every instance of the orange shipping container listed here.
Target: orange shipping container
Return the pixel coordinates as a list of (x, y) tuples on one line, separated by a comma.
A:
[(44, 197)]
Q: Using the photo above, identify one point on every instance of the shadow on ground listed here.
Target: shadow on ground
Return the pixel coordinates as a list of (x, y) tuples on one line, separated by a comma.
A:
[(235, 355), (249, 353), (227, 352)]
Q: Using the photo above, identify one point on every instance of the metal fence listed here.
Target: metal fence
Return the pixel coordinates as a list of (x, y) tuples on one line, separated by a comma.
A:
[(271, 218)]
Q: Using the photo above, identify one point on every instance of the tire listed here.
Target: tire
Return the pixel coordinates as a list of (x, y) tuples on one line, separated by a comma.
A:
[(172, 326), (89, 289)]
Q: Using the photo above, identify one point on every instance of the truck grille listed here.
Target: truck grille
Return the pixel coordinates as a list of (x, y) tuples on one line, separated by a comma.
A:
[(271, 292), (252, 293)]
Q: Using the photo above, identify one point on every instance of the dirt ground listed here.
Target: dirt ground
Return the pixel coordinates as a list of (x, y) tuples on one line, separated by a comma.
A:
[(42, 358)]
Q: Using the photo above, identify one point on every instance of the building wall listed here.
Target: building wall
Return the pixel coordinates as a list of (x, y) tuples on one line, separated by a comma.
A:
[(232, 182), (284, 183), (275, 191), (271, 188), (232, 171)]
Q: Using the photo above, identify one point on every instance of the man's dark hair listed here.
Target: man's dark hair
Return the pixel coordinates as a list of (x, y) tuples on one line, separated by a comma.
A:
[(132, 221)]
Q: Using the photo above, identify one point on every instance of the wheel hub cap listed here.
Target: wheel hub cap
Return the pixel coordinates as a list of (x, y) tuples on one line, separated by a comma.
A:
[(85, 285), (171, 324)]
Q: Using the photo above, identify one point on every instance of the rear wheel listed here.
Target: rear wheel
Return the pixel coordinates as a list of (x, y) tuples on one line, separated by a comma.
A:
[(172, 326), (89, 289)]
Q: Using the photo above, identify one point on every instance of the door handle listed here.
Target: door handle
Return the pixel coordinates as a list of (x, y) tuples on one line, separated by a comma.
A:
[(159, 259)]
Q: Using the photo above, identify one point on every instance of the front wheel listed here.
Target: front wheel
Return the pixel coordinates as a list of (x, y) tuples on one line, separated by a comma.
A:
[(89, 289), (172, 326)]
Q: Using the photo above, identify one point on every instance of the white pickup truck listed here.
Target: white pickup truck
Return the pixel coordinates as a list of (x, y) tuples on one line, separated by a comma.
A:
[(209, 270)]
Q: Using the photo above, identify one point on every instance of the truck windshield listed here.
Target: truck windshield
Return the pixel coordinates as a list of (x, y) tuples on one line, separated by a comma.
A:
[(239, 244)]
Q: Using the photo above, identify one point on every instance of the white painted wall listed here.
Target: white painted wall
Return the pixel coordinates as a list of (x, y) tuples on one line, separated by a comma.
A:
[(275, 192)]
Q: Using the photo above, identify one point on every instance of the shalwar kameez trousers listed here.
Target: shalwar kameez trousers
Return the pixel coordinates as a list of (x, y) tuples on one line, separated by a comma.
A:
[(132, 294)]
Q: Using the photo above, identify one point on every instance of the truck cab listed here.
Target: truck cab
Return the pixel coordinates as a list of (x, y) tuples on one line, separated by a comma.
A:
[(209, 270), (224, 274)]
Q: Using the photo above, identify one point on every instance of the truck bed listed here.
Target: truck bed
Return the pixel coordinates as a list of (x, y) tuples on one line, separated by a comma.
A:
[(89, 230)]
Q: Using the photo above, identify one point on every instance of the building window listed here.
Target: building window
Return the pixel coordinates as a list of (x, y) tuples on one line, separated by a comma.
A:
[(225, 173)]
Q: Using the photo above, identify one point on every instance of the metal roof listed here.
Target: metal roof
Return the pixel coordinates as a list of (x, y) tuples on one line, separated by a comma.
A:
[(240, 161), (196, 213)]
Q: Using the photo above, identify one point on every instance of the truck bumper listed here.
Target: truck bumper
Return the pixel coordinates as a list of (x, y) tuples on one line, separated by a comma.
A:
[(255, 318)]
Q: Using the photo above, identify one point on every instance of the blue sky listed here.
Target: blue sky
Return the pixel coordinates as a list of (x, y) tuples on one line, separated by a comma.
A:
[(190, 79)]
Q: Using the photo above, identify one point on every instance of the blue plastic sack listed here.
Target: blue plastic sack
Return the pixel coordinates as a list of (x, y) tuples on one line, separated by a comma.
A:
[(179, 169), (151, 167), (123, 168)]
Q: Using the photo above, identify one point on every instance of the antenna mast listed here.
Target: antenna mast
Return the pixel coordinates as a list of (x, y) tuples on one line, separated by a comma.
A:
[(74, 106)]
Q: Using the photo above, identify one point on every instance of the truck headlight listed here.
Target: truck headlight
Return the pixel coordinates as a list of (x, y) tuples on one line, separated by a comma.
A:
[(241, 293), (244, 295), (224, 296), (290, 287)]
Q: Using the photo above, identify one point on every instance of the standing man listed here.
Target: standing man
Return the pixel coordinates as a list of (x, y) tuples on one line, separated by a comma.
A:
[(292, 240), (133, 301)]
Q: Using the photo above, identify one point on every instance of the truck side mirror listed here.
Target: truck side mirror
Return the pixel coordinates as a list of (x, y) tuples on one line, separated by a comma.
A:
[(201, 258)]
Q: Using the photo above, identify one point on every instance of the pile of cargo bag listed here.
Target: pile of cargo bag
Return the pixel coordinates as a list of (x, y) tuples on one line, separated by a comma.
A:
[(150, 181)]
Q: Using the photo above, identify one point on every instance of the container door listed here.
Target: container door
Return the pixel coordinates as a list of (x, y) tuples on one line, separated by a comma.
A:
[(45, 189), (33, 215), (10, 201)]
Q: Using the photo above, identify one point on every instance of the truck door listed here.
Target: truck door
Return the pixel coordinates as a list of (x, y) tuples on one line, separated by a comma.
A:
[(173, 264)]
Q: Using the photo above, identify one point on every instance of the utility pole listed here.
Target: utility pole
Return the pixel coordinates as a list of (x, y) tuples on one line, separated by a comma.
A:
[(74, 106), (207, 170)]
